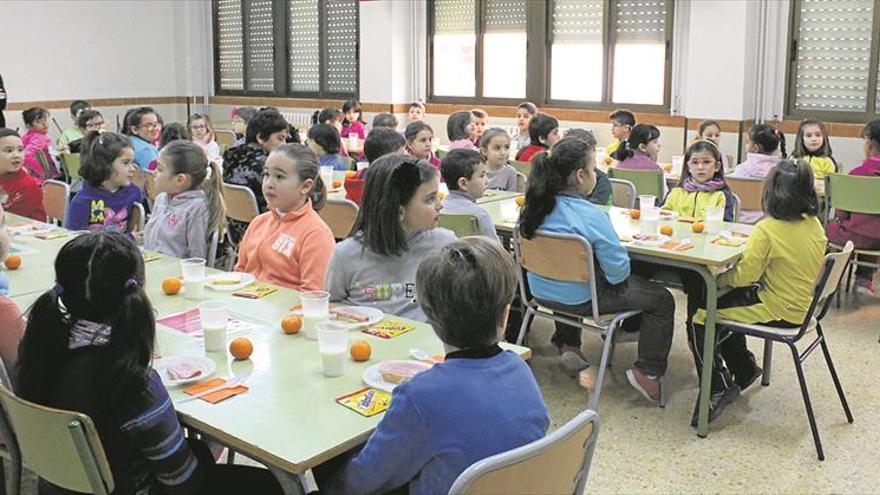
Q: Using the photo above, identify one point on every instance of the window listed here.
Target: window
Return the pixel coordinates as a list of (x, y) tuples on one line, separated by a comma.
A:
[(833, 59), (304, 48), (574, 52)]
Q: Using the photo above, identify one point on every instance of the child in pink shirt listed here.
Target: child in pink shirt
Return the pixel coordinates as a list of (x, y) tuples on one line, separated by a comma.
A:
[(39, 159)]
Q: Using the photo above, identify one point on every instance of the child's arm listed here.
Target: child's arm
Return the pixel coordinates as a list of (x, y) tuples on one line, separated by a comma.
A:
[(244, 251), (197, 232), (487, 226), (317, 247), (751, 267), (602, 192), (337, 276), (612, 257), (77, 214)]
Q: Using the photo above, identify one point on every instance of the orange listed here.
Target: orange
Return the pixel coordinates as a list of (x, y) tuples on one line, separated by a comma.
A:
[(13, 262), (360, 350), (698, 227), (608, 160), (350, 174), (337, 184), (666, 230), (667, 167), (241, 348), (441, 195), (635, 214), (291, 324), (171, 285), (520, 200)]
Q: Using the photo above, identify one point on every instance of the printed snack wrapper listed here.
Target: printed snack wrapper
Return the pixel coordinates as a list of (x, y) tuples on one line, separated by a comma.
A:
[(255, 290), (388, 329), (366, 401)]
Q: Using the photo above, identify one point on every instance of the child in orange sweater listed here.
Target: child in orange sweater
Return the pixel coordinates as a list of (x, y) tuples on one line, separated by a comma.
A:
[(289, 245)]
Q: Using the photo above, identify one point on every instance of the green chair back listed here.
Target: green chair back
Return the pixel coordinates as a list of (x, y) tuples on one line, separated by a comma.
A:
[(521, 167), (350, 163), (441, 153), (71, 166), (646, 181), (853, 193), (59, 446), (462, 225)]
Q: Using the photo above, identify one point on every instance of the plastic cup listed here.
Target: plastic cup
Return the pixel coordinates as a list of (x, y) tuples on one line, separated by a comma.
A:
[(600, 158), (333, 345), (327, 176), (362, 165), (316, 308), (352, 140), (647, 201), (714, 219), (213, 315), (194, 277), (677, 164), (650, 219)]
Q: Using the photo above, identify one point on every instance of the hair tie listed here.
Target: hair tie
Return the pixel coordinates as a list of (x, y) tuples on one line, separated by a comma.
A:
[(58, 289), (130, 282)]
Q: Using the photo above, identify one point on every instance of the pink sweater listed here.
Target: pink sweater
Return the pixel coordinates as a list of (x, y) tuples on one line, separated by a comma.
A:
[(37, 143)]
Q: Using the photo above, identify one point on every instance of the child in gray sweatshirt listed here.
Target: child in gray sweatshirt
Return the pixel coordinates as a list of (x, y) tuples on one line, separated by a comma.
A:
[(466, 177)]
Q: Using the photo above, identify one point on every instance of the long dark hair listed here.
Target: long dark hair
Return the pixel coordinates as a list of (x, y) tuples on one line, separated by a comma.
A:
[(99, 151), (551, 174), (871, 132), (639, 135), (352, 105), (99, 277), (800, 148), (456, 125), (767, 138)]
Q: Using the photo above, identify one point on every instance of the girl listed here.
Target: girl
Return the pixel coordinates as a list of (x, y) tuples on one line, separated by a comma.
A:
[(418, 137), (289, 245), (710, 130), (325, 143), (555, 202), (639, 151), (702, 184), (495, 148), (524, 113), (202, 133), (395, 228), (765, 146), (88, 120), (39, 156), (602, 192), (416, 112), (480, 119), (459, 127), (333, 117), (189, 207), (107, 193), (812, 146), (354, 120), (19, 192), (87, 347), (543, 133), (863, 230), (773, 280), (172, 132), (240, 118)]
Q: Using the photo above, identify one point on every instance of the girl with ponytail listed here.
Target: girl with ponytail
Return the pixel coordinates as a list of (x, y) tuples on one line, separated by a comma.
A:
[(290, 244), (766, 147), (639, 151), (559, 182)]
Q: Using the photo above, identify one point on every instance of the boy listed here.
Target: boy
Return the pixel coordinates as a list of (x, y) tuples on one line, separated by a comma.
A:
[(385, 120), (543, 133), (73, 132), (622, 121), (379, 142), (480, 119), (466, 177), (479, 402), (19, 192)]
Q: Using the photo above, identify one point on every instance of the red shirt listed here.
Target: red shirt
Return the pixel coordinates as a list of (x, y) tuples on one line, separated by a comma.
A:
[(526, 154), (24, 196)]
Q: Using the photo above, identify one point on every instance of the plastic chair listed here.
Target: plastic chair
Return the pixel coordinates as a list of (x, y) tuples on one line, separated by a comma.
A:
[(557, 463), (225, 138), (749, 191), (827, 283), (568, 258), (241, 205), (461, 225), (137, 217), (339, 215), (737, 206), (59, 446), (56, 197), (70, 162), (645, 181), (623, 193), (521, 167)]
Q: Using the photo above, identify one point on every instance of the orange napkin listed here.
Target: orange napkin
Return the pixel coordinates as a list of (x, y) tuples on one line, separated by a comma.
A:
[(217, 396)]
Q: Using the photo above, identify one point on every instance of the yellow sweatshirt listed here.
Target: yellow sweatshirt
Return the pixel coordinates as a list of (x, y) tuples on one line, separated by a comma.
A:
[(611, 148), (693, 204), (821, 165)]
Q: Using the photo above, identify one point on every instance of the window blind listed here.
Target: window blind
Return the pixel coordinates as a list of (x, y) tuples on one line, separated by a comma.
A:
[(641, 22), (454, 16), (577, 21), (833, 55), (505, 15), (230, 53), (304, 60), (260, 46), (341, 46)]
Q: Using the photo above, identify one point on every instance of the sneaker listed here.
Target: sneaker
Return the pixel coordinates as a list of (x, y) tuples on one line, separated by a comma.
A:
[(868, 286), (745, 380), (647, 386), (717, 402), (587, 378), (573, 362)]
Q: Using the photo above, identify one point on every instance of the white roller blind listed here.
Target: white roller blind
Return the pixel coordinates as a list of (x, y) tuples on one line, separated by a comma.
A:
[(260, 46), (231, 54), (641, 22), (577, 21), (505, 15), (454, 16), (304, 60), (833, 55), (341, 45)]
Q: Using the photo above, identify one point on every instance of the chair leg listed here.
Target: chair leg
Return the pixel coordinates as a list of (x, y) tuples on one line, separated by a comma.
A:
[(807, 404), (768, 362), (526, 321), (837, 385), (611, 352), (13, 484), (603, 367), (230, 456)]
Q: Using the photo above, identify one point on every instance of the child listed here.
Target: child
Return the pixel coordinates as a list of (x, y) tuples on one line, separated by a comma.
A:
[(173, 132), (639, 151), (863, 230), (107, 193), (480, 120), (710, 130), (189, 206), (334, 117), (88, 346), (450, 416), (543, 133), (385, 120), (622, 122), (143, 129), (459, 127), (202, 133), (379, 142), (289, 245), (765, 146), (418, 137), (524, 113), (324, 142), (702, 184), (602, 193), (39, 156), (74, 132), (555, 202), (465, 174), (88, 120), (396, 228), (495, 147), (19, 192), (415, 112), (11, 321), (773, 280), (240, 118), (354, 120), (812, 146)]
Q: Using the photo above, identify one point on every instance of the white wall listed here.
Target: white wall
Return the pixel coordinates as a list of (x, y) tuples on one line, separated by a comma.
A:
[(391, 45)]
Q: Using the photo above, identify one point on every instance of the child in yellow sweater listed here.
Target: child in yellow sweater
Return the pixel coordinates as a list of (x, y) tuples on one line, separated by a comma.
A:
[(812, 146), (702, 184)]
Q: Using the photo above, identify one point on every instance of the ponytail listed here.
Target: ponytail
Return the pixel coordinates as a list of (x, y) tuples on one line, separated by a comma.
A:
[(768, 139), (781, 136), (42, 352), (213, 188), (623, 151), (315, 117), (639, 135)]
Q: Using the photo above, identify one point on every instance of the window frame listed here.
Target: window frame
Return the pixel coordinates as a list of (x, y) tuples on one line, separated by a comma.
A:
[(539, 19), (281, 36), (791, 111)]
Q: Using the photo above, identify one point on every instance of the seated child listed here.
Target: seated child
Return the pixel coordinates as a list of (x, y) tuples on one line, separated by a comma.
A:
[(395, 229), (459, 128), (143, 128), (480, 119), (88, 120), (39, 155), (387, 120), (601, 194), (710, 130), (702, 184), (418, 137), (812, 146), (465, 174), (289, 245), (415, 112), (765, 146), (543, 133), (174, 131), (201, 131), (495, 148), (639, 151), (324, 142), (240, 118), (449, 417), (75, 131), (524, 113), (379, 142), (622, 122), (19, 192)]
